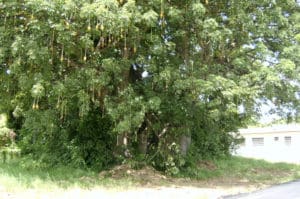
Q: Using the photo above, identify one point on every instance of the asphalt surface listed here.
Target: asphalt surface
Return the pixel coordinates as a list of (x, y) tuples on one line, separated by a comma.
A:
[(290, 190)]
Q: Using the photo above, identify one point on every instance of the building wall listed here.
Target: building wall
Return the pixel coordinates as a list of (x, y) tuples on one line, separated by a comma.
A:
[(276, 147)]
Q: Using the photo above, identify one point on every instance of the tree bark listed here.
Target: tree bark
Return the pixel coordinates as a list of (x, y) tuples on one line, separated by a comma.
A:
[(185, 142)]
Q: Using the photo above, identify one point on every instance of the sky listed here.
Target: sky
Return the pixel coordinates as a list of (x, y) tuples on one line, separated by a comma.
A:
[(266, 117)]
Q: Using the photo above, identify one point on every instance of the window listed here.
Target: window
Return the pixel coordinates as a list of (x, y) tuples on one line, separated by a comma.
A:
[(276, 138), (258, 141), (287, 140)]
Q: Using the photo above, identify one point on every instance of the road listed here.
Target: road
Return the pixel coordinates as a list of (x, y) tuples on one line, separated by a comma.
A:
[(290, 190)]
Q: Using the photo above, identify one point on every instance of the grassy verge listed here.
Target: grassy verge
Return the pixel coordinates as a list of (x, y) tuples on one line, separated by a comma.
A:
[(241, 170), (259, 171), (17, 175)]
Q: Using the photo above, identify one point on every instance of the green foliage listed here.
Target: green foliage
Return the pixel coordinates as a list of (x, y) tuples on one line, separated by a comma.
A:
[(168, 158), (85, 142), (72, 85), (41, 138), (8, 148), (93, 137)]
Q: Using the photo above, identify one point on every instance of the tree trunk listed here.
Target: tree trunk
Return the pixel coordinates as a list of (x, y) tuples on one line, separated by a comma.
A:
[(142, 142), (185, 142)]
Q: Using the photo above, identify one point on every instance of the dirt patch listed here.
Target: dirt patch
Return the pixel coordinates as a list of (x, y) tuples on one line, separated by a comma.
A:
[(145, 175), (148, 177), (205, 164)]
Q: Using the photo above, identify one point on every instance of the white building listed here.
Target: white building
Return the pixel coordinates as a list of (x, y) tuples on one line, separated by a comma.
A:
[(280, 143)]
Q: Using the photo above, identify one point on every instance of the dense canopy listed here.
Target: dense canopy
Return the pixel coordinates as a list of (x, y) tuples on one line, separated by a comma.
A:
[(93, 82)]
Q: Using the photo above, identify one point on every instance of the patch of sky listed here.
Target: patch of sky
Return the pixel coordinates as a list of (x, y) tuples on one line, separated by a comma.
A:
[(271, 59), (297, 95), (286, 14), (249, 46), (203, 98), (267, 114), (198, 48), (241, 109), (272, 25), (260, 39), (224, 16), (145, 74)]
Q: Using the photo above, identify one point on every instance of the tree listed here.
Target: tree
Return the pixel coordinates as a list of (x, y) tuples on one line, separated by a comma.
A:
[(158, 72)]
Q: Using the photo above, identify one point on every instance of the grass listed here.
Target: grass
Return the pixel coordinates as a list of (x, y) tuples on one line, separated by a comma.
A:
[(18, 175), (245, 170), (19, 178), (259, 171)]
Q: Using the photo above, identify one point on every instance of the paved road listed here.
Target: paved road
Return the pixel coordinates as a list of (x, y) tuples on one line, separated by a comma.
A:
[(290, 190)]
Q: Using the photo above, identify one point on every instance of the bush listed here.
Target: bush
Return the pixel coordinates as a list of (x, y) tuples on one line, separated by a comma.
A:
[(85, 142)]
